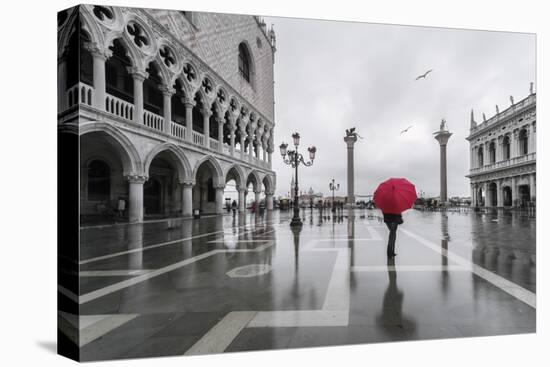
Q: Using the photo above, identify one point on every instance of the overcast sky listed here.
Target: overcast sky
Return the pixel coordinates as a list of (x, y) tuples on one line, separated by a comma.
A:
[(330, 76)]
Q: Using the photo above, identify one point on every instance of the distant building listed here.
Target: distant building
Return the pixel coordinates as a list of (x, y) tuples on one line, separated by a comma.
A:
[(503, 156)]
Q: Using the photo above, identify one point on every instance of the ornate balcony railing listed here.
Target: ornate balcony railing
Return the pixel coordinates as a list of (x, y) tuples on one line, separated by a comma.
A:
[(82, 93), (178, 131), (79, 93), (198, 138), (119, 107), (214, 144), (153, 121), (531, 157)]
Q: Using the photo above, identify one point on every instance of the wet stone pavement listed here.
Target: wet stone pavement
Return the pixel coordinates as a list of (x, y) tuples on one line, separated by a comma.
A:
[(225, 283)]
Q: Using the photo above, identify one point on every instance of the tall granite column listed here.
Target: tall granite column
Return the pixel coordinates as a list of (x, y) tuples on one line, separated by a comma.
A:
[(442, 136), (350, 141)]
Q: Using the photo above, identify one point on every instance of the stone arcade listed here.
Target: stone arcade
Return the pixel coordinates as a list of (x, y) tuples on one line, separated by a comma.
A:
[(503, 156), (170, 106)]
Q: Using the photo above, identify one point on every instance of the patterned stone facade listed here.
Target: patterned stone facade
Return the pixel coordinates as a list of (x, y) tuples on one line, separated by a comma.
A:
[(503, 156)]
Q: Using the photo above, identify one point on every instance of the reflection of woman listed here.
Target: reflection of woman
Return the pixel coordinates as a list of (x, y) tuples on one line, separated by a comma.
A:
[(392, 221), (393, 298)]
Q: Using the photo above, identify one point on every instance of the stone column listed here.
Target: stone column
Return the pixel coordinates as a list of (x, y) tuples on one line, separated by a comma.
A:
[(241, 199), (269, 200), (243, 132), (532, 186), (98, 98), (167, 93), (219, 198), (232, 129), (139, 76), (61, 84), (250, 147), (533, 145), (514, 144), (220, 133), (486, 190), (189, 104), (187, 197), (206, 121), (515, 193), (350, 141), (442, 136), (135, 200), (257, 198), (500, 196), (499, 148), (472, 195)]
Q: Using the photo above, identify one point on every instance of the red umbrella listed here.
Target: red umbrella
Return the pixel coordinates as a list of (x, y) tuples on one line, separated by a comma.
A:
[(394, 196)]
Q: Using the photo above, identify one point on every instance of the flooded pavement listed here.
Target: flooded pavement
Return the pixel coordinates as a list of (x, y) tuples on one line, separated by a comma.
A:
[(226, 283)]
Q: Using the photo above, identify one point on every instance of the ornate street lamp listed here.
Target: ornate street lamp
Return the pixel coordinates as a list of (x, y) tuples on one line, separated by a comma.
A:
[(293, 159), (333, 187)]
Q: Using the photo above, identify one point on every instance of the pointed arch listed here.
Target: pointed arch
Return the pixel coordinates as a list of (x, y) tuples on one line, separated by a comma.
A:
[(254, 177), (215, 165), (239, 175), (129, 155), (182, 164), (269, 183)]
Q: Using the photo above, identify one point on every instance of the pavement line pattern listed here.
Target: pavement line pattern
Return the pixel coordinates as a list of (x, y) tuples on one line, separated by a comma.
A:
[(141, 278), (222, 334), (335, 309), (399, 268), (507, 286), (144, 248)]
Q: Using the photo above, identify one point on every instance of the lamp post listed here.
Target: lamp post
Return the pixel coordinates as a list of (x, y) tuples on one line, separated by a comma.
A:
[(293, 159), (333, 187)]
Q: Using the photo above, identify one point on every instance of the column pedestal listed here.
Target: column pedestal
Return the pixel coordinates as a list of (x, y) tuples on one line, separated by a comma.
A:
[(442, 136)]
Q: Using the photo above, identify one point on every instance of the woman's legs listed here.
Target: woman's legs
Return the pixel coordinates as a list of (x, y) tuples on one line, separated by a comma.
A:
[(391, 240)]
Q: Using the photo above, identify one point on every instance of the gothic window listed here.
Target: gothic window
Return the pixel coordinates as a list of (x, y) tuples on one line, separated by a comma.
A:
[(138, 34), (244, 62), (99, 180)]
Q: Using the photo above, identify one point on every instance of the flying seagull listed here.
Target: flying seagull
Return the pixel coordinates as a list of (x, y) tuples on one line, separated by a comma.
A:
[(424, 75), (404, 131)]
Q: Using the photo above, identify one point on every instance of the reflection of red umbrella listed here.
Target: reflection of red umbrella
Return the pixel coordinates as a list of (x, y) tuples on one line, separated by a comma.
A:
[(394, 196)]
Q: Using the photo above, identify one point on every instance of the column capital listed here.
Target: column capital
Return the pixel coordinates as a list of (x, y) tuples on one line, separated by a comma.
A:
[(187, 183), (167, 91), (269, 193), (97, 51), (137, 73), (135, 178), (240, 189), (188, 102), (206, 112), (219, 187), (257, 192)]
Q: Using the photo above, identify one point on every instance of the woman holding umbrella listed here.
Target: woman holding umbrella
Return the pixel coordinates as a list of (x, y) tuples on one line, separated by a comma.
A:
[(393, 197)]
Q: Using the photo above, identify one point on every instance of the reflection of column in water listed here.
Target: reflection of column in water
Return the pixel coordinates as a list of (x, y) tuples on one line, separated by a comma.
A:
[(444, 247), (521, 267), (351, 245), (296, 235), (135, 241), (187, 232), (504, 262)]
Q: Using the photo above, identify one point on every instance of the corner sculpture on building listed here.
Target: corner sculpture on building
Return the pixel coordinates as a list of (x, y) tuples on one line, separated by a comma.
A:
[(503, 156), (169, 106)]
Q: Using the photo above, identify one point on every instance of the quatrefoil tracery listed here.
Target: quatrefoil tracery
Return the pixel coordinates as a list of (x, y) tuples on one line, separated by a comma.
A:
[(167, 56), (102, 12), (138, 34)]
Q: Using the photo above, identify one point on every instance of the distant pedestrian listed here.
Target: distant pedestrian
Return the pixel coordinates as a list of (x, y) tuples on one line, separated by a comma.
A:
[(253, 207), (121, 207), (234, 207), (392, 221)]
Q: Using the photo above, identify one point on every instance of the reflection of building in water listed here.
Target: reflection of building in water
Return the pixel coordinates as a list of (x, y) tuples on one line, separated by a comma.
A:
[(503, 156), (168, 106)]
